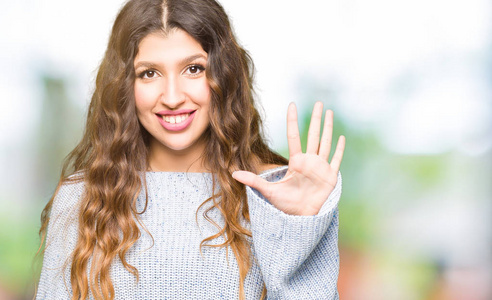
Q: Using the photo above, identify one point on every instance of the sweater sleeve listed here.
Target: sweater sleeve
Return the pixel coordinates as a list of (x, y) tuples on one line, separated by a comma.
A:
[(54, 282), (297, 255)]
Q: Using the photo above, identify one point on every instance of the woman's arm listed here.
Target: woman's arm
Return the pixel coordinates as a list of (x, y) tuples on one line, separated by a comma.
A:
[(294, 215), (297, 255), (61, 237)]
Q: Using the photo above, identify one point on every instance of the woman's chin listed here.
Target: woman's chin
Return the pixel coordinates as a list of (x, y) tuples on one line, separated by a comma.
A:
[(178, 147)]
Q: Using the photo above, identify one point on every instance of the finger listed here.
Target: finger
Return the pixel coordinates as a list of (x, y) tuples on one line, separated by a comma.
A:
[(337, 157), (293, 138), (254, 181), (325, 147), (314, 129)]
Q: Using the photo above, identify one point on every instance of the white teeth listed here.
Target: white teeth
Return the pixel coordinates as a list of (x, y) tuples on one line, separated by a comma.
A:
[(175, 119)]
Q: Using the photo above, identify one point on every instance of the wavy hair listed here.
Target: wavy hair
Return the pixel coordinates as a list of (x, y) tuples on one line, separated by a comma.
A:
[(113, 151)]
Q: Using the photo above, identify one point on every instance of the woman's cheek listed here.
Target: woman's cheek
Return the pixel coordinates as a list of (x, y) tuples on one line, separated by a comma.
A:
[(200, 91), (145, 96)]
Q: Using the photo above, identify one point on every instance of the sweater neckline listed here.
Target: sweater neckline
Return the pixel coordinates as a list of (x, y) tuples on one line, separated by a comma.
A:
[(201, 174)]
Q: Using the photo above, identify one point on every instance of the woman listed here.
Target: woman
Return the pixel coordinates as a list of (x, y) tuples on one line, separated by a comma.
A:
[(161, 200)]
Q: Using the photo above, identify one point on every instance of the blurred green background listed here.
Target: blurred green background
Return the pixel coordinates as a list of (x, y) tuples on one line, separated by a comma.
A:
[(411, 86)]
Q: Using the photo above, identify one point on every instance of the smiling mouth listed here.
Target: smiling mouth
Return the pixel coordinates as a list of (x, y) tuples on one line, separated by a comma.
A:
[(176, 119)]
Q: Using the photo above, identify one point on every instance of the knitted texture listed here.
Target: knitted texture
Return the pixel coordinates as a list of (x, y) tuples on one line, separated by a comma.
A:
[(296, 257)]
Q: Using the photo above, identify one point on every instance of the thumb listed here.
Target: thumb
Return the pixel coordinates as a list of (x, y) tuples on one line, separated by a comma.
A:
[(252, 180)]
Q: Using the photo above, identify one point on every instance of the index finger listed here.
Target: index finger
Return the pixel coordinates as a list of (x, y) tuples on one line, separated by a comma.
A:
[(293, 137)]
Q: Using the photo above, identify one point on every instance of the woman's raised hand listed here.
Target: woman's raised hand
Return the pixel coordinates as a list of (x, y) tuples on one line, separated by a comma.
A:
[(310, 178)]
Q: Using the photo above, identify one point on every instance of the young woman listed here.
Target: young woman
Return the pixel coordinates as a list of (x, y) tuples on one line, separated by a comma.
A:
[(161, 198)]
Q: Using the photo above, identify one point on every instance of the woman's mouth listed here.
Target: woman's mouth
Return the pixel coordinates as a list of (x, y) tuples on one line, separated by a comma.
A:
[(176, 120)]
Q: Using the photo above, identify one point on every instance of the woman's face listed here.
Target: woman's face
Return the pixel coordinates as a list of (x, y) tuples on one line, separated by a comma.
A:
[(172, 94)]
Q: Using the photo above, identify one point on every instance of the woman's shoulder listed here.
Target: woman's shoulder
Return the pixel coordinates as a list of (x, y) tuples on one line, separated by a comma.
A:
[(69, 193), (65, 206)]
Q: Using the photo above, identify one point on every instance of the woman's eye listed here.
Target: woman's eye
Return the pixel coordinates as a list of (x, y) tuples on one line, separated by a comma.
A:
[(148, 74), (194, 70)]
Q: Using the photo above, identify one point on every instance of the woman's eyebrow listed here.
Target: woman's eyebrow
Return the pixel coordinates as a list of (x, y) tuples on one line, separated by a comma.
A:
[(184, 61), (191, 58), (146, 64)]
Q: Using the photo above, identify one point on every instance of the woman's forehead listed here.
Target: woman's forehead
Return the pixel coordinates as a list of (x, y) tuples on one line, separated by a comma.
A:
[(174, 46)]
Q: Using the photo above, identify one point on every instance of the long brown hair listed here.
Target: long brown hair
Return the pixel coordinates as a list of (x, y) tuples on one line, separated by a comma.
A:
[(113, 151)]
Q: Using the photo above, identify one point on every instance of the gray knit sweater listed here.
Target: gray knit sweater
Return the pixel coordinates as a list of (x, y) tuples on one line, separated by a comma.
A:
[(296, 257)]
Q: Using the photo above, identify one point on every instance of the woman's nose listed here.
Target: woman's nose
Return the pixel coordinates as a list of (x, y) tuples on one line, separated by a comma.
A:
[(172, 94)]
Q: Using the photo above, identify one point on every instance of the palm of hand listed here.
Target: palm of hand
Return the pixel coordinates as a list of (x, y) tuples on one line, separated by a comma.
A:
[(310, 178)]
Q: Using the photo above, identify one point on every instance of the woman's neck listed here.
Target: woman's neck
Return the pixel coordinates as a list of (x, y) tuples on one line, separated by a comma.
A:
[(163, 159)]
